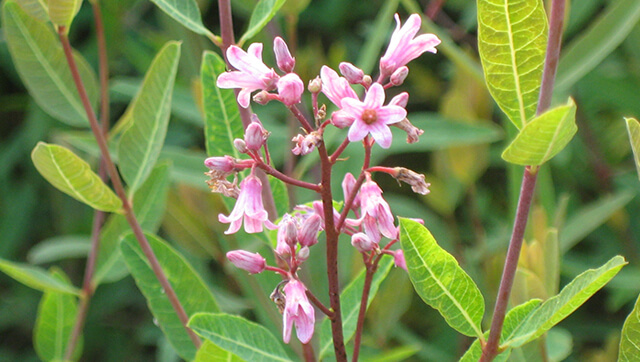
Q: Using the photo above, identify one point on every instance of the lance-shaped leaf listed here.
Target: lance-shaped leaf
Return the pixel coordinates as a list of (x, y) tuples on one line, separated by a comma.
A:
[(186, 12), (36, 8), (192, 293), (245, 339), (36, 278), (633, 127), (350, 303), (512, 39), (55, 320), (41, 64), (630, 339), (222, 122), (555, 309), (73, 176), (141, 143), (209, 352), (62, 12), (543, 137), (264, 11), (440, 281), (513, 318)]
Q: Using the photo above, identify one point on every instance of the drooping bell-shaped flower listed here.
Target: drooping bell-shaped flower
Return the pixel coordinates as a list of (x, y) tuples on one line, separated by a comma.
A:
[(297, 310), (376, 216), (251, 74), (249, 207), (254, 263)]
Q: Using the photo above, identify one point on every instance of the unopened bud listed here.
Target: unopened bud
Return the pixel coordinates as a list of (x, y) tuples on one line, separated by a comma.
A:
[(253, 263), (290, 89), (240, 145), (262, 97), (315, 85), (366, 80), (399, 75), (400, 100), (352, 73), (363, 242), (308, 234), (414, 179), (283, 57), (224, 164), (255, 136), (303, 254), (348, 185)]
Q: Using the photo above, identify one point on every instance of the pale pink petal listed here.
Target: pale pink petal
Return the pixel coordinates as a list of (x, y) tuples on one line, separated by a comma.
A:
[(381, 133), (255, 50), (353, 107), (391, 114), (428, 42), (244, 97), (374, 97), (358, 130)]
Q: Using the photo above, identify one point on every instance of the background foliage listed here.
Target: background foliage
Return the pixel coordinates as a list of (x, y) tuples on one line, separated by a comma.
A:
[(586, 192)]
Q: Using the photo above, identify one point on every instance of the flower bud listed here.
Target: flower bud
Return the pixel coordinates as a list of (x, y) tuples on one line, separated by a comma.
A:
[(363, 242), (348, 184), (253, 263), (366, 81), (341, 119), (240, 145), (399, 260), (255, 136), (400, 100), (315, 85), (225, 164), (303, 254), (399, 75), (290, 88), (352, 73), (262, 97), (283, 57), (308, 233)]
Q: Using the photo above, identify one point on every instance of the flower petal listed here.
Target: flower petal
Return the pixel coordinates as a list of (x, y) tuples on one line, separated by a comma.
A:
[(358, 131), (391, 114), (374, 97), (381, 133)]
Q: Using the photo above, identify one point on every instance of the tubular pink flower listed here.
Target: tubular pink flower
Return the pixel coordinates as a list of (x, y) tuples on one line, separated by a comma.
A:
[(253, 263), (335, 87), (255, 136), (285, 61), (248, 207), (297, 310), (290, 89), (403, 47), (370, 116), (251, 74), (376, 213), (308, 233)]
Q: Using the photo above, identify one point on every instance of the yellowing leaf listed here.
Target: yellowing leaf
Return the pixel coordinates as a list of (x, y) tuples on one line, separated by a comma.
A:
[(62, 12)]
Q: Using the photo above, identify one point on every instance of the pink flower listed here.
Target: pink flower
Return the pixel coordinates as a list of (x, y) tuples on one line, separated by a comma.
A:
[(403, 47), (248, 207), (352, 74), (297, 310), (290, 89), (251, 74), (283, 57), (335, 87), (255, 136), (363, 242), (370, 116), (253, 263), (308, 233), (376, 213), (398, 259), (348, 184)]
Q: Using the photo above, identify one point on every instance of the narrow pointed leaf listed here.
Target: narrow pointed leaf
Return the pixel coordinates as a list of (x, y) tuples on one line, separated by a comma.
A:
[(192, 293), (572, 296), (222, 122), (245, 339), (264, 11), (186, 12), (36, 278), (633, 127), (440, 281), (543, 137), (209, 352), (630, 338), (41, 64), (62, 12), (513, 318), (73, 176), (350, 304), (55, 320), (512, 39), (141, 143)]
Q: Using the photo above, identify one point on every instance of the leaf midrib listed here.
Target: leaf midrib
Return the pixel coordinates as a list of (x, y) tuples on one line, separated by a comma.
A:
[(514, 64)]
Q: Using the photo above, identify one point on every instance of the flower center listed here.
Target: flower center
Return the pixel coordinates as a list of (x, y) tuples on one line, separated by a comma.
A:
[(369, 116)]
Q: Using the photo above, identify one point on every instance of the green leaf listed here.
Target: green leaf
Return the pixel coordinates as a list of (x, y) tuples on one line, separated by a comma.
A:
[(36, 278), (513, 318), (41, 64), (209, 352), (280, 195), (633, 127), (36, 8), (264, 11), (186, 12), (62, 12), (555, 309), (247, 340), (222, 122), (590, 217), (149, 204), (141, 143), (191, 291), (60, 247), (593, 45), (439, 280), (630, 338), (350, 303), (543, 137), (73, 176), (512, 40), (56, 317)]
